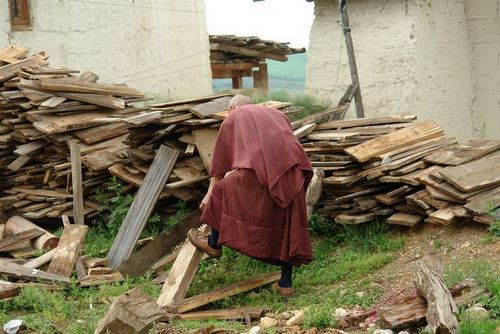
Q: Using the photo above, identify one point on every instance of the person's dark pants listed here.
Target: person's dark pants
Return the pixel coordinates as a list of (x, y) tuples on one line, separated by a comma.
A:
[(286, 268)]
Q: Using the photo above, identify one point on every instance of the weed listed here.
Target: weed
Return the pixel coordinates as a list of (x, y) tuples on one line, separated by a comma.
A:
[(319, 317), (495, 228)]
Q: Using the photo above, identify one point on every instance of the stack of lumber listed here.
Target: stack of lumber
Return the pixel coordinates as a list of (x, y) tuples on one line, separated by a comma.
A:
[(225, 48), (42, 111), (190, 127), (408, 171)]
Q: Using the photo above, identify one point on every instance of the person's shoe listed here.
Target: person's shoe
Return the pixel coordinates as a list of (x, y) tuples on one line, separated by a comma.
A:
[(285, 292), (202, 244)]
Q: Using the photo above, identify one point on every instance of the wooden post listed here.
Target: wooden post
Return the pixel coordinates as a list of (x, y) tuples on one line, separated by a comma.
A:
[(260, 77), (76, 179), (237, 80), (360, 111)]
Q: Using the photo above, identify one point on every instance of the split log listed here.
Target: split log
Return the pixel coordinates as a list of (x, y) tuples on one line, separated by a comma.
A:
[(17, 224), (441, 307), (12, 241), (8, 290), (411, 311), (131, 313)]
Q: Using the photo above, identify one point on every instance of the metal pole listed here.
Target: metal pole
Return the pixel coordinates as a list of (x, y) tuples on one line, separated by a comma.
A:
[(360, 111)]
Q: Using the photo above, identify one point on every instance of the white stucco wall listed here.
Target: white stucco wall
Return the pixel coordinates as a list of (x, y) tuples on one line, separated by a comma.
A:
[(483, 17), (158, 46), (414, 57)]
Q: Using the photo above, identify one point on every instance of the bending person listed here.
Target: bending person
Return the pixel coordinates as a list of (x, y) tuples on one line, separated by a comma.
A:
[(256, 200)]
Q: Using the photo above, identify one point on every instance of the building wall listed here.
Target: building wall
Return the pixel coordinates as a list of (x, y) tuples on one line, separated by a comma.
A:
[(414, 57), (158, 46), (483, 18)]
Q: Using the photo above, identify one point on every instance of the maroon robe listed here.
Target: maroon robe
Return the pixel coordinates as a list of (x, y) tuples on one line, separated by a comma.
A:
[(259, 208)]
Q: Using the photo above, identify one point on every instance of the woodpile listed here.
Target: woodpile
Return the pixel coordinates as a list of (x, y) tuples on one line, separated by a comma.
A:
[(406, 171), (43, 110)]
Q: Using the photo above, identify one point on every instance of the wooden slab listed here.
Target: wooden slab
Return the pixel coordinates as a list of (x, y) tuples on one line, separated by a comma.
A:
[(474, 175), (76, 86), (142, 206), (76, 182), (217, 294), (181, 274), (9, 290), (394, 140), (205, 143), (68, 250), (404, 219), (350, 123), (226, 314), (10, 242), (485, 201), (204, 110), (459, 154)]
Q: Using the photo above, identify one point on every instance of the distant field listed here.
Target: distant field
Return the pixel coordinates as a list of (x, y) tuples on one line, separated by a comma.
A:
[(287, 76)]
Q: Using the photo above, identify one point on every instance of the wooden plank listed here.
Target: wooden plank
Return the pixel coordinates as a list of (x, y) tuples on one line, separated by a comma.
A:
[(68, 250), (394, 140), (331, 135), (204, 110), (18, 163), (132, 312), (10, 242), (304, 130), (75, 86), (441, 308), (21, 272), (8, 290), (17, 224), (142, 206), (367, 121), (187, 182), (99, 133), (484, 201), (205, 144), (247, 52), (459, 154), (41, 260), (218, 294), (474, 175), (76, 182), (347, 219), (226, 314), (404, 219), (181, 274), (95, 280), (7, 72), (106, 101)]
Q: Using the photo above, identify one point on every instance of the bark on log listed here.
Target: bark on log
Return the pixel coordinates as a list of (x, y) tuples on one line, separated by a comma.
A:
[(441, 307)]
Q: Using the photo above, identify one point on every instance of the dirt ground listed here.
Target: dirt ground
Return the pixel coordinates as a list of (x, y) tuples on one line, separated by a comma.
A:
[(455, 244)]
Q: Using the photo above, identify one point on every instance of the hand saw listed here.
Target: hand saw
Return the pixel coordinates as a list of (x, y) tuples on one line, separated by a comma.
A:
[(138, 263)]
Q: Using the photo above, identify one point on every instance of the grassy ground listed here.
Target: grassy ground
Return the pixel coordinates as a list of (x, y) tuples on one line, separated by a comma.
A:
[(344, 256)]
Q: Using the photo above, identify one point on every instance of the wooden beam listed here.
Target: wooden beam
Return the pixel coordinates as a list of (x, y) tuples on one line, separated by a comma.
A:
[(181, 274), (142, 206), (233, 66), (41, 260), (360, 111), (217, 294), (76, 179), (247, 52)]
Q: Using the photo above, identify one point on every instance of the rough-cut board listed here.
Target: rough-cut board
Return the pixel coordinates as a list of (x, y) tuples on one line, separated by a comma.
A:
[(68, 250), (441, 308), (394, 140), (204, 110), (75, 86), (181, 274), (106, 101), (350, 123), (51, 124), (142, 206), (304, 130), (76, 178), (41, 260), (459, 154), (99, 133), (227, 314), (94, 280), (9, 71), (10, 242), (217, 294), (347, 219), (483, 202), (474, 175), (46, 241), (8, 290), (404, 219), (132, 312), (205, 144), (21, 272)]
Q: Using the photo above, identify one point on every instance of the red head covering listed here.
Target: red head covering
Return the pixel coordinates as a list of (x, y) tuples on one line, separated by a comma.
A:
[(261, 139)]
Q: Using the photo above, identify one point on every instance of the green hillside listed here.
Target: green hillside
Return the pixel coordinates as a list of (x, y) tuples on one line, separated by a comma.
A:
[(287, 76)]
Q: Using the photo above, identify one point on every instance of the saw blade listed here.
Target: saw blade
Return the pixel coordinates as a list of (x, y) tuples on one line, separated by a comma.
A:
[(138, 263)]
